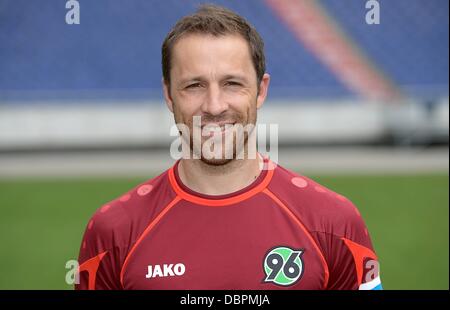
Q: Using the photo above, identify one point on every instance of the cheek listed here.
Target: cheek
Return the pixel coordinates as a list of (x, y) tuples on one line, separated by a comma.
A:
[(245, 107), (191, 102), (184, 109), (251, 114), (178, 114)]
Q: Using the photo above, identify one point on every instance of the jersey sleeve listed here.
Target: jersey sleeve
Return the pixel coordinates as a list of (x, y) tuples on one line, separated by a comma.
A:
[(101, 253), (352, 261)]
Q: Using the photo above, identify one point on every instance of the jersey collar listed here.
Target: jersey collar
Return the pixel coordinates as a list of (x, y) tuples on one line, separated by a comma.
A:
[(254, 188)]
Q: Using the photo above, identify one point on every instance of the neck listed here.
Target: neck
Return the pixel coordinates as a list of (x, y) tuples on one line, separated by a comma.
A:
[(215, 180)]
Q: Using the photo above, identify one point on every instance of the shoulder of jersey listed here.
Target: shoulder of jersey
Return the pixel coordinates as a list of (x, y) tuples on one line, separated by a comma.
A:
[(139, 205), (320, 208)]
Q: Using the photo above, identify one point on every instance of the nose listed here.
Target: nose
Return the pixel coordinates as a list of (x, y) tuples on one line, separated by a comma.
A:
[(214, 103)]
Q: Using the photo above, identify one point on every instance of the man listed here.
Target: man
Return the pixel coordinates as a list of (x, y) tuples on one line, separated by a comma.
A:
[(224, 222)]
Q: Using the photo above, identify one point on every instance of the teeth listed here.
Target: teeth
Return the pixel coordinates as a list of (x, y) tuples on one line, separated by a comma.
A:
[(222, 127)]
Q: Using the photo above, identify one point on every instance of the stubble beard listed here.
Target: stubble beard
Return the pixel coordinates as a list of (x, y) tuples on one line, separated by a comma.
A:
[(237, 146)]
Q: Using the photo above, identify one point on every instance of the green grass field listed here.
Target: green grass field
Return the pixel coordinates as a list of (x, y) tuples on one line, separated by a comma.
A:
[(42, 223)]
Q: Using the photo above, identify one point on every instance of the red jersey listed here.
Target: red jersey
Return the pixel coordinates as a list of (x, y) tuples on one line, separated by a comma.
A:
[(284, 231)]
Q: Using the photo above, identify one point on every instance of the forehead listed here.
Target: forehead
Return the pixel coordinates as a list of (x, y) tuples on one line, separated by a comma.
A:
[(204, 54)]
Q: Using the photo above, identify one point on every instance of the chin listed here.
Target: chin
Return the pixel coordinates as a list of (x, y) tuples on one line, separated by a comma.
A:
[(216, 162)]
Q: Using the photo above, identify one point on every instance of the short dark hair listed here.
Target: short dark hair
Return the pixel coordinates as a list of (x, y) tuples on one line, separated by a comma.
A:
[(216, 21)]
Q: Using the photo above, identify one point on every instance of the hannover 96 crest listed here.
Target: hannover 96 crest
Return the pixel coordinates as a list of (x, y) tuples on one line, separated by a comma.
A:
[(283, 266)]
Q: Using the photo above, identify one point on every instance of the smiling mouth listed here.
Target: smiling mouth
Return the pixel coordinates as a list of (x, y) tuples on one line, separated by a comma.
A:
[(212, 129), (215, 126)]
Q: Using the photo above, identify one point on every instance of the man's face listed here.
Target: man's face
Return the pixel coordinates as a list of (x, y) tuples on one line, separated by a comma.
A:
[(214, 77)]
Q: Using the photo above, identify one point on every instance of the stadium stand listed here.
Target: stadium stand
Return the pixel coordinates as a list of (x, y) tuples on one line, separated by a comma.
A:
[(113, 56)]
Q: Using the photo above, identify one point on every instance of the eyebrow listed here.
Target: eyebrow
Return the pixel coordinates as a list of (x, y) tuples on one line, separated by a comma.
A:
[(235, 77), (190, 79)]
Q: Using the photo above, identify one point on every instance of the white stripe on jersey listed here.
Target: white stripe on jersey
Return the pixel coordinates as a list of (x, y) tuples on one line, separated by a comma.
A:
[(370, 285)]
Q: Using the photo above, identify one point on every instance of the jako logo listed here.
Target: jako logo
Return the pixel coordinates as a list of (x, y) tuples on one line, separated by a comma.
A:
[(166, 270)]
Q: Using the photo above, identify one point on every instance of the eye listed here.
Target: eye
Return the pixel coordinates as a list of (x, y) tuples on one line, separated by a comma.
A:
[(232, 83), (193, 85)]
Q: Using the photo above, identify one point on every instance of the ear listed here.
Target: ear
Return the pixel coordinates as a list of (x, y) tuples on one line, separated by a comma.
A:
[(263, 89), (167, 97)]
